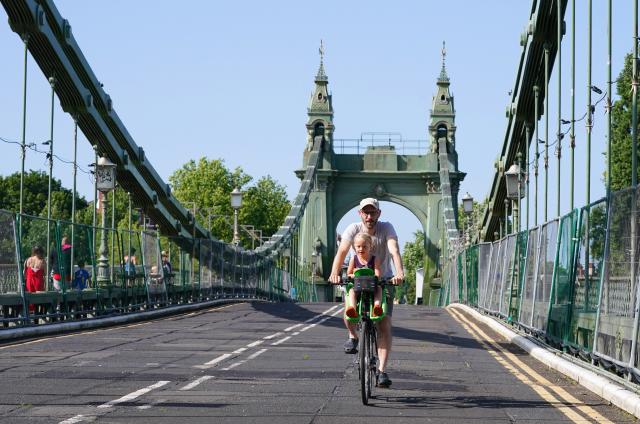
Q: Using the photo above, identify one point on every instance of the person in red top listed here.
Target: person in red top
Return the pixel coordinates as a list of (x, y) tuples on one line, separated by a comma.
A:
[(34, 268)]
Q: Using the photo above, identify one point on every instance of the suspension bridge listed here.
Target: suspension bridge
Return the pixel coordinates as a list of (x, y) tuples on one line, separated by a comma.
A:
[(233, 334)]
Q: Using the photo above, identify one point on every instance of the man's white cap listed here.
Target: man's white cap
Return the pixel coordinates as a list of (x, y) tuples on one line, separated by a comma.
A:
[(369, 201)]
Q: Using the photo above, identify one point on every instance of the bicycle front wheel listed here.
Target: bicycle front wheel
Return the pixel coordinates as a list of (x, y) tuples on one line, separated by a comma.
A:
[(365, 355)]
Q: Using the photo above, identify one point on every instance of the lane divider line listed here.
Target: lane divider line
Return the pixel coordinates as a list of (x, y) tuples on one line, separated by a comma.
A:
[(292, 327), (256, 354), (213, 362), (134, 395), (235, 364), (196, 382), (239, 350), (73, 420), (284, 339), (256, 343), (541, 383), (271, 336)]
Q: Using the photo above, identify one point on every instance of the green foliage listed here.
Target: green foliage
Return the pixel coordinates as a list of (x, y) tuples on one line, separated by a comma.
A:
[(207, 185), (36, 187), (621, 130), (413, 257)]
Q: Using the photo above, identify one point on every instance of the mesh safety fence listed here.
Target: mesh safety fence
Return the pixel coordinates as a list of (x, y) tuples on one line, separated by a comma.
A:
[(484, 262), (497, 267), (528, 283), (614, 328), (544, 275), (587, 273), (561, 290), (507, 276)]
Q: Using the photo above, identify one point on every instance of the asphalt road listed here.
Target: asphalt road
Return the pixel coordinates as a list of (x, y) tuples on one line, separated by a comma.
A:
[(283, 363)]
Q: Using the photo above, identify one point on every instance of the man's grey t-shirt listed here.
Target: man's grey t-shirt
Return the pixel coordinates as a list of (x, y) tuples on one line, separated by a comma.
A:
[(383, 231)]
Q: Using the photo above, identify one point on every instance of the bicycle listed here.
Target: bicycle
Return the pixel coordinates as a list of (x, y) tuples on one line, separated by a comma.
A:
[(365, 286)]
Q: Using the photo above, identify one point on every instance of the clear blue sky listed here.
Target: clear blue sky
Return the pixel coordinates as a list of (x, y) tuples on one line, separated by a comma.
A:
[(232, 80)]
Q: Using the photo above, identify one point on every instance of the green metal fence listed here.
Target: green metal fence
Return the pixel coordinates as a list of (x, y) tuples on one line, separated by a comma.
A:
[(572, 281), (90, 272)]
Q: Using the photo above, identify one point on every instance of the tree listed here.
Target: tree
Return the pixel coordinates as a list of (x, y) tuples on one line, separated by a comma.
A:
[(413, 257), (207, 185), (621, 129), (35, 191)]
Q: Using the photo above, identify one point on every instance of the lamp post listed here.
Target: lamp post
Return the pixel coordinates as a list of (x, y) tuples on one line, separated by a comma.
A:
[(513, 179), (467, 207), (105, 182), (314, 264), (236, 202)]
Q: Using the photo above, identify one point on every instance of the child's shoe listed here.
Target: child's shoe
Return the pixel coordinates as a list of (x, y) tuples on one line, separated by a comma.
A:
[(351, 312), (377, 310)]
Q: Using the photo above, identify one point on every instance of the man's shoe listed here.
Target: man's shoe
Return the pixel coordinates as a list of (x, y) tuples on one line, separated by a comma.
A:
[(351, 346), (383, 380)]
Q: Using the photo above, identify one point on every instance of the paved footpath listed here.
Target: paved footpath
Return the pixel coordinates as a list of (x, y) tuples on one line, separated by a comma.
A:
[(283, 363)]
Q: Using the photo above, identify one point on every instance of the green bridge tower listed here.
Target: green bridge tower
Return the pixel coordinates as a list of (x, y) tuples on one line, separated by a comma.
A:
[(380, 171)]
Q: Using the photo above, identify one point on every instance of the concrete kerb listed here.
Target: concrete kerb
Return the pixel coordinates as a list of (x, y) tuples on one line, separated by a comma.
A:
[(91, 323), (609, 390)]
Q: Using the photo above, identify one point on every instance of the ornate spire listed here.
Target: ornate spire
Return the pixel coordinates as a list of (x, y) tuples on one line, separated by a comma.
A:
[(443, 73), (321, 75)]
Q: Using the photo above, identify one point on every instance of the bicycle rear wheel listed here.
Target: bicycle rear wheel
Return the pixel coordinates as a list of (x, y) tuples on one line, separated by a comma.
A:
[(365, 354)]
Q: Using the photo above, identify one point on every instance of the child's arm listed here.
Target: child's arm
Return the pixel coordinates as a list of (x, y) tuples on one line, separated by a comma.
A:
[(352, 265), (376, 267)]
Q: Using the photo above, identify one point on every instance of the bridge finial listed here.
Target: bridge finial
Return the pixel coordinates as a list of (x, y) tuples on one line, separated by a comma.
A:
[(321, 75), (443, 72)]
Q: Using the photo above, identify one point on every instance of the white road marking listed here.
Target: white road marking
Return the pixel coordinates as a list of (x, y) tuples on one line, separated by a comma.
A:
[(271, 336), (256, 343), (295, 334), (235, 364), (256, 354), (292, 327), (149, 405), (212, 362), (280, 341), (240, 350), (196, 382), (134, 395), (73, 420)]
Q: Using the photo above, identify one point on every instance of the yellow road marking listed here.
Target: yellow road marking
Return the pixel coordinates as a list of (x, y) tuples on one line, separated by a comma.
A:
[(117, 327), (493, 347)]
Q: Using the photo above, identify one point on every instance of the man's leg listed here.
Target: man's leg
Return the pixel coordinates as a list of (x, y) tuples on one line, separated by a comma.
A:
[(384, 341), (352, 327)]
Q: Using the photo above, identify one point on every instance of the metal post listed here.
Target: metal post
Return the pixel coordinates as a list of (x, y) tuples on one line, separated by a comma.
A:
[(23, 145), (516, 212), (113, 227), (528, 136), (103, 260), (52, 82), (506, 216), (95, 194), (634, 181), (609, 104), (559, 135), (634, 103), (572, 135), (236, 236), (73, 195), (589, 124), (546, 129), (536, 92)]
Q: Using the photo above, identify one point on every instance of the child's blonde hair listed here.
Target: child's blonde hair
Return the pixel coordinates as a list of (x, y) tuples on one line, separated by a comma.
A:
[(364, 237)]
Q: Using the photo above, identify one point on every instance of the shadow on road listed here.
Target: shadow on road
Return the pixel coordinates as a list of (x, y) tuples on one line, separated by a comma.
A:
[(300, 312)]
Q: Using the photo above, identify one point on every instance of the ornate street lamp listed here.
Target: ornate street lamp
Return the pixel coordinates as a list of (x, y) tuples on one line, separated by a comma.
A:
[(467, 207), (105, 182), (515, 189), (236, 203)]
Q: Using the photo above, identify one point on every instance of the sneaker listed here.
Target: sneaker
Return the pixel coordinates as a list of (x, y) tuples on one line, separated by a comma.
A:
[(351, 345), (377, 310), (351, 312), (383, 380)]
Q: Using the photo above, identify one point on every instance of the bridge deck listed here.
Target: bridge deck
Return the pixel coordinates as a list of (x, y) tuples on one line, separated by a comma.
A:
[(281, 363)]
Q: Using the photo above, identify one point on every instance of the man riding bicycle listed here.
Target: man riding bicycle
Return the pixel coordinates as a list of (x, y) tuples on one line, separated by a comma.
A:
[(385, 247)]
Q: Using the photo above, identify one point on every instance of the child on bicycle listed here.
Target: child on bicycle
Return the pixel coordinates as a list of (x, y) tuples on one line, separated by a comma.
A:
[(362, 244)]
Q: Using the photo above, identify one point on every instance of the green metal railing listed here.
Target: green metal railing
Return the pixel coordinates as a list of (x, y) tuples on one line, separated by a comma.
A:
[(136, 280), (572, 281)]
